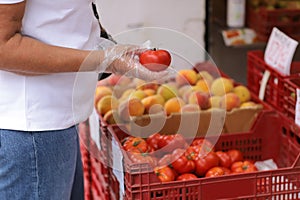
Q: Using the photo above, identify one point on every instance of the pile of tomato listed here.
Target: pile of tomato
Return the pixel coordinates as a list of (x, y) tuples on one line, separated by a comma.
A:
[(173, 158)]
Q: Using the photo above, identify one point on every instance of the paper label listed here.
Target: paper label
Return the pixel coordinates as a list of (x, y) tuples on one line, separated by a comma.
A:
[(297, 109), (117, 167), (280, 51), (263, 84), (94, 123)]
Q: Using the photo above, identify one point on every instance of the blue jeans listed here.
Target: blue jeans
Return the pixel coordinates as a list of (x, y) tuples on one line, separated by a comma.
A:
[(40, 165)]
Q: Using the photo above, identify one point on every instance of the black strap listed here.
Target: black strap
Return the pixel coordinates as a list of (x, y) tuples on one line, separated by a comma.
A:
[(103, 34)]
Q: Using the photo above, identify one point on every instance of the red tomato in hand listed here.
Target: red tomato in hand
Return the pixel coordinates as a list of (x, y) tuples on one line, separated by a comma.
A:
[(165, 174), (235, 155), (155, 59), (243, 167), (187, 176), (204, 163), (225, 159), (182, 163)]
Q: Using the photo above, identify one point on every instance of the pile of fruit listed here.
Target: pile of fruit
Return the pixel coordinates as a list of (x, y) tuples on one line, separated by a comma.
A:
[(173, 158), (118, 98)]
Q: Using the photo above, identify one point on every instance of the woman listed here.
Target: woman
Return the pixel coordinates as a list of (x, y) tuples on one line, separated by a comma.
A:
[(42, 46)]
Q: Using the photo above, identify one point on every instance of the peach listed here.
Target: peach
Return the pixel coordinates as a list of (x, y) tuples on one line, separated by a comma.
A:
[(221, 86), (242, 92), (167, 91), (151, 101), (142, 85), (230, 101), (202, 85), (190, 108), (140, 94), (173, 105), (204, 75), (130, 107), (100, 92), (186, 76), (111, 117), (183, 89), (249, 104), (106, 103), (149, 92), (200, 98), (215, 101)]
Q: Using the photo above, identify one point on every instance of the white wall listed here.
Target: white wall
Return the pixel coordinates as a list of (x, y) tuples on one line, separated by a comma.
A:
[(185, 16)]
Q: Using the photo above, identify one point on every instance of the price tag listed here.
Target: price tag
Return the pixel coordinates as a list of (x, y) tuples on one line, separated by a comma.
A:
[(280, 51), (297, 109)]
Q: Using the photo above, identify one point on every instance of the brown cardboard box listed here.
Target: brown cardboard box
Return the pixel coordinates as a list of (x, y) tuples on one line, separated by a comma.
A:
[(190, 124)]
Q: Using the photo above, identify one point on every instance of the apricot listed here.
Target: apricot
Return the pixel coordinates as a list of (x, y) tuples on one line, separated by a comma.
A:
[(230, 101), (130, 107), (173, 105), (221, 86)]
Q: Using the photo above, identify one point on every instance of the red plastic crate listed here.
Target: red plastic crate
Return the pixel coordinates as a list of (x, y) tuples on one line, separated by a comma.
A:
[(290, 97), (274, 93), (272, 136), (263, 20)]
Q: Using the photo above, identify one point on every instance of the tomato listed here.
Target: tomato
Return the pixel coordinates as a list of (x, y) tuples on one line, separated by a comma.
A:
[(235, 155), (155, 59), (153, 140), (143, 158), (225, 159), (215, 171), (243, 167), (202, 146), (186, 176), (204, 163), (136, 144), (168, 143), (165, 174), (166, 160), (182, 163)]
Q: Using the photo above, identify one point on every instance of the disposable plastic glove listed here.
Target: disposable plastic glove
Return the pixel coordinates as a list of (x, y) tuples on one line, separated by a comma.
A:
[(123, 60)]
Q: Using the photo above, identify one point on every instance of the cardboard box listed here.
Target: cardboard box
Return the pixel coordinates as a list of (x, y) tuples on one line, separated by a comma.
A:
[(191, 124)]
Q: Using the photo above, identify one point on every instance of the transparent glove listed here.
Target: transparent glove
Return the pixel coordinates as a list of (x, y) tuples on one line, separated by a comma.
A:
[(123, 60)]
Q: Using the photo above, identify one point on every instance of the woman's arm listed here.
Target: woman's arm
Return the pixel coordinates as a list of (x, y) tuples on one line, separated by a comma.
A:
[(21, 54)]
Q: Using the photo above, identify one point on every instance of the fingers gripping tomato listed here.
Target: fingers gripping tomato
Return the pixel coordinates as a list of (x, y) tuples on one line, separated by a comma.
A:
[(155, 59)]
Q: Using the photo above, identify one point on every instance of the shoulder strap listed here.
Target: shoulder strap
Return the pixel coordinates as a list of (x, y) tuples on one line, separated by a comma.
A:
[(103, 32)]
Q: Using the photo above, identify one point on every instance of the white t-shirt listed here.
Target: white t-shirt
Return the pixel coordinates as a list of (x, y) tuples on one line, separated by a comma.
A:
[(56, 101)]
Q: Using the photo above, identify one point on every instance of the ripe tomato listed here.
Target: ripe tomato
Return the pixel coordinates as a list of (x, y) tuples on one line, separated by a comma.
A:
[(202, 146), (143, 158), (168, 143), (243, 167), (225, 159), (136, 144), (235, 155), (187, 176), (165, 174), (215, 171), (155, 59), (182, 163), (166, 160), (153, 140), (204, 163)]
